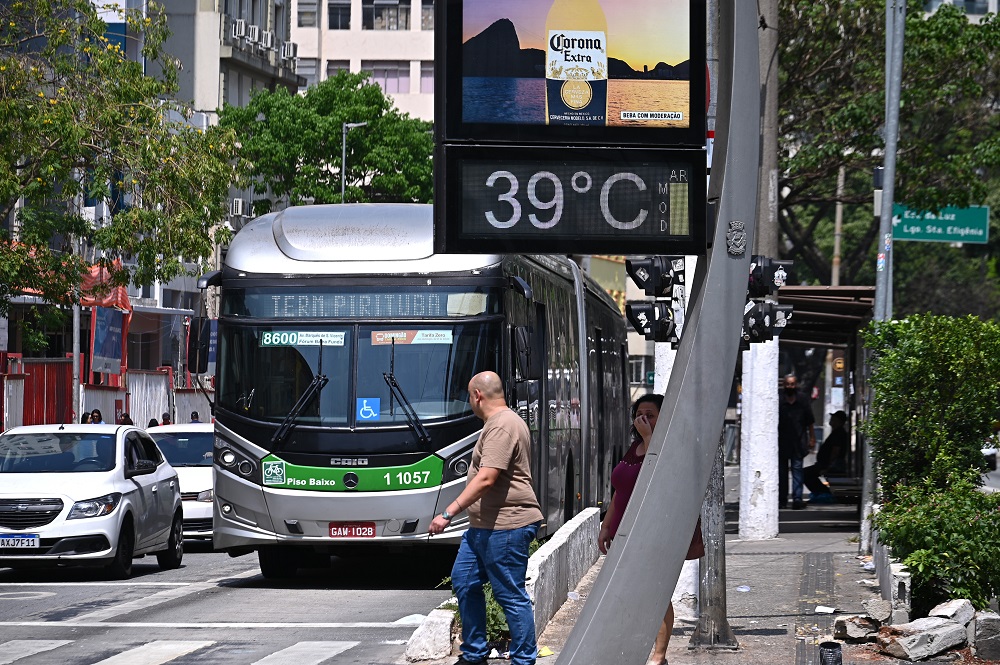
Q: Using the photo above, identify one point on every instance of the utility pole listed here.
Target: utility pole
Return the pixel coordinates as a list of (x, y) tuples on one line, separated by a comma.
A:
[(759, 431), (895, 22)]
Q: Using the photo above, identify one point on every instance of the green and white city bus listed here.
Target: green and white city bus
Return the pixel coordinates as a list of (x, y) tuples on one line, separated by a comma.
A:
[(345, 349)]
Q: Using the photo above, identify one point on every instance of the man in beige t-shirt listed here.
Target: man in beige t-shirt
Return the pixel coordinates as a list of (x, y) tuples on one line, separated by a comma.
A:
[(504, 517)]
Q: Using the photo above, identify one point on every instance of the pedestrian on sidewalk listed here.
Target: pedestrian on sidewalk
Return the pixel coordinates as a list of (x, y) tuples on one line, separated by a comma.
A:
[(831, 458), (645, 412), (504, 517), (796, 439)]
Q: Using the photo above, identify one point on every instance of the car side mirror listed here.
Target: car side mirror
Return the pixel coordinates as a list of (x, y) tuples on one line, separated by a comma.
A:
[(143, 467)]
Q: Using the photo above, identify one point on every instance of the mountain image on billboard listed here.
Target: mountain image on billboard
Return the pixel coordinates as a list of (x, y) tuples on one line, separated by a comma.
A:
[(622, 63)]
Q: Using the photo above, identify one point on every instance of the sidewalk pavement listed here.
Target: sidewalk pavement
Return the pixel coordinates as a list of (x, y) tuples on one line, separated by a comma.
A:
[(773, 588)]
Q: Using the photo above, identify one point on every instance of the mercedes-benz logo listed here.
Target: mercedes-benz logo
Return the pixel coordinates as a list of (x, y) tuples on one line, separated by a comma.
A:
[(350, 480)]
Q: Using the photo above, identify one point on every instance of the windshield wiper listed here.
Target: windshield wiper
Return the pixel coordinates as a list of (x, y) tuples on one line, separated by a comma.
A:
[(423, 436), (317, 384)]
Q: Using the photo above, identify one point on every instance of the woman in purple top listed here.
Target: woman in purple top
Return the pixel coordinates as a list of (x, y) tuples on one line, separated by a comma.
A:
[(645, 411)]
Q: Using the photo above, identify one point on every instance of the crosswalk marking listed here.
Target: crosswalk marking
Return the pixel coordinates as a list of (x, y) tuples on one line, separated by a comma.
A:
[(17, 649), (155, 653), (76, 623), (306, 653)]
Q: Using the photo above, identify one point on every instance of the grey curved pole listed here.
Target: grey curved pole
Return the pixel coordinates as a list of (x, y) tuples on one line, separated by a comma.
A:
[(631, 593)]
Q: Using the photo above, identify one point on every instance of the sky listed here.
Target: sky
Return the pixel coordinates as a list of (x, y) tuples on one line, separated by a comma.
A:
[(640, 32)]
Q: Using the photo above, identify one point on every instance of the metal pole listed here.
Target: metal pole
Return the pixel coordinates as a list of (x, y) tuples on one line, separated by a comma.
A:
[(626, 605), (347, 126), (713, 630), (893, 83), (895, 25)]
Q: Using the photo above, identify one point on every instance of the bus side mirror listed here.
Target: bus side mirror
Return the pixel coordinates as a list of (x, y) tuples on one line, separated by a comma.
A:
[(527, 354), (197, 345)]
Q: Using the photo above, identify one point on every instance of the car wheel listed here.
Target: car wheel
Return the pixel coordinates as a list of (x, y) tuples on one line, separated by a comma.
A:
[(170, 558), (278, 562), (120, 567)]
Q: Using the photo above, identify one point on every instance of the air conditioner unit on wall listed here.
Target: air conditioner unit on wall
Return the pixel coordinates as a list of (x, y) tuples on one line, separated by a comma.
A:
[(239, 28), (237, 208), (253, 34), (267, 39), (289, 51)]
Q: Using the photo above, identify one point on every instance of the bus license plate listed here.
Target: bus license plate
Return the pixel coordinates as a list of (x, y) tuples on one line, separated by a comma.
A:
[(20, 540), (352, 529)]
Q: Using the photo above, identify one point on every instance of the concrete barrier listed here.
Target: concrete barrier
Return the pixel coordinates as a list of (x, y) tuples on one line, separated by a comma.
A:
[(561, 563), (553, 570)]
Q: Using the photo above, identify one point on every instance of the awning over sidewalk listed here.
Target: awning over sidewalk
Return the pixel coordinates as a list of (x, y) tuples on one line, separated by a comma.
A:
[(826, 315)]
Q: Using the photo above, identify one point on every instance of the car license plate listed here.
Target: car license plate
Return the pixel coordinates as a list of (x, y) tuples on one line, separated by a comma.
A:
[(20, 540), (352, 529)]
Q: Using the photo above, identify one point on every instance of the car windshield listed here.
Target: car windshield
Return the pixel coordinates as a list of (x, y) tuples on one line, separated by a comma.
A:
[(56, 452), (186, 448)]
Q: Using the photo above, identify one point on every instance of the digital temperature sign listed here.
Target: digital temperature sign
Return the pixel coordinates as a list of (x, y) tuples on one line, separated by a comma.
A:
[(572, 200)]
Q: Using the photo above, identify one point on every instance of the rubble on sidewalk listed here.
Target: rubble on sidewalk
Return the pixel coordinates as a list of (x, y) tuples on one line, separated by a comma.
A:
[(855, 629), (987, 635), (921, 638)]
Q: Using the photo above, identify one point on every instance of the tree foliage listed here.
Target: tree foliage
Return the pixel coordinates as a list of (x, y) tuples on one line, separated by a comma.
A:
[(80, 123), (295, 144), (832, 114)]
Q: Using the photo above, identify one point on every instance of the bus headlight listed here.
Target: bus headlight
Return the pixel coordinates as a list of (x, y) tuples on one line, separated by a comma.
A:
[(456, 467)]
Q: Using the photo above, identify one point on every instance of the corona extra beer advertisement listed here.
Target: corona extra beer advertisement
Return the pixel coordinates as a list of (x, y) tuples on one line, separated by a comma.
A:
[(611, 63)]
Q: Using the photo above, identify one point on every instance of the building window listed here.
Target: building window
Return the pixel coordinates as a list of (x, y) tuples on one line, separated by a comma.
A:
[(427, 14), (385, 14), (308, 10), (975, 7), (639, 367), (335, 66), (340, 14), (306, 68), (427, 76), (393, 76)]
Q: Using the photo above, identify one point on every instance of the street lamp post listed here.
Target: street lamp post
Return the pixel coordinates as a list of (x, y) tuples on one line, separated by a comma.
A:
[(347, 126)]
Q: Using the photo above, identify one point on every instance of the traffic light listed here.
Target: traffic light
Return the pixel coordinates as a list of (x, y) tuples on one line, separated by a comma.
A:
[(663, 278), (763, 320), (766, 276), (656, 275), (653, 319)]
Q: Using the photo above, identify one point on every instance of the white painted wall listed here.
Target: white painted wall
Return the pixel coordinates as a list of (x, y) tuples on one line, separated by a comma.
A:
[(759, 441)]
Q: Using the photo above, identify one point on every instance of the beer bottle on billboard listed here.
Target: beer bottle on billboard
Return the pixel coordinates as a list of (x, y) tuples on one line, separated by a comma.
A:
[(576, 64)]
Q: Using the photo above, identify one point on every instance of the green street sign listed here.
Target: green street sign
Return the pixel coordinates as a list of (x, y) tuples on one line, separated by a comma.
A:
[(948, 225), (650, 377)]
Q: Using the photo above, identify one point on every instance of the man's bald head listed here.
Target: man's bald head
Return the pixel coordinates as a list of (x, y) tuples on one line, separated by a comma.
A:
[(488, 383), (486, 394)]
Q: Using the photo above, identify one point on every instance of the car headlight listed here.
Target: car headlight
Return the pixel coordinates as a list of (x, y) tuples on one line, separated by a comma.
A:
[(208, 496), (102, 505)]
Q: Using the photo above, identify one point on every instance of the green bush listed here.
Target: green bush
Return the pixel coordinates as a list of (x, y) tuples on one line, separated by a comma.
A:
[(936, 387), (948, 538)]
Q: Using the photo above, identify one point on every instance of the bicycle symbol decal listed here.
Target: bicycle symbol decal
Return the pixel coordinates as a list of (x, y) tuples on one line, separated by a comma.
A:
[(368, 408)]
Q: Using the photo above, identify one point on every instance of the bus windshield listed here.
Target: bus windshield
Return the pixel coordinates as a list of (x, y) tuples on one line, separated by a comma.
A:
[(264, 369)]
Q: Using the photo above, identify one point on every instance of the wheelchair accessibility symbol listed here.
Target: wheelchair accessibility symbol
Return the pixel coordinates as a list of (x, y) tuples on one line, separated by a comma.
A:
[(368, 408)]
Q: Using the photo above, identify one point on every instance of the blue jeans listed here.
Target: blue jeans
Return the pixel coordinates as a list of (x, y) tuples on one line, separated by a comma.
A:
[(786, 463), (500, 558)]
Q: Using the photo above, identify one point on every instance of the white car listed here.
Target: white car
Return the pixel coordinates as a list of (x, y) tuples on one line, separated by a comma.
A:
[(990, 453), (96, 495), (189, 448)]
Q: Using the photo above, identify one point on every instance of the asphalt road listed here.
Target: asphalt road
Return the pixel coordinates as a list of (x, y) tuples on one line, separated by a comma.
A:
[(219, 610)]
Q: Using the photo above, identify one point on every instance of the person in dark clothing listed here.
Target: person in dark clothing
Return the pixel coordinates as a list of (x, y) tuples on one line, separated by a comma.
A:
[(831, 458), (152, 423), (796, 439)]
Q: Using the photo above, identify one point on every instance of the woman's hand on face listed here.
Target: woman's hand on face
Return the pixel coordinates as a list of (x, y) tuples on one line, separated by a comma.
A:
[(643, 428)]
